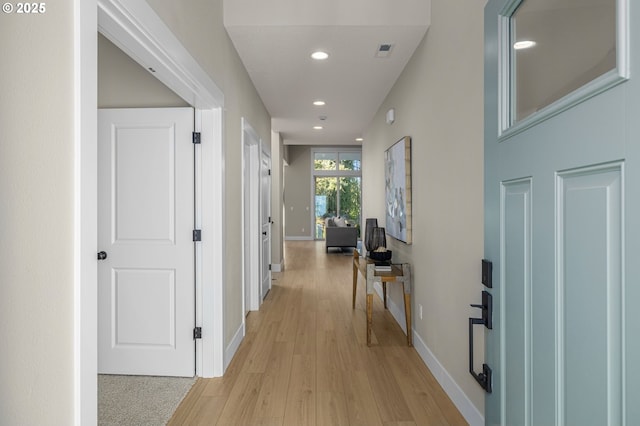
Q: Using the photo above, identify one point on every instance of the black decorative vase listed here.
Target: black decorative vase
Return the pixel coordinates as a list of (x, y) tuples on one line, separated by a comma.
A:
[(370, 225), (379, 238)]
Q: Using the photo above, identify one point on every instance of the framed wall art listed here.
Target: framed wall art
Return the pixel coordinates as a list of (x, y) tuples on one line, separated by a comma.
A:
[(397, 167)]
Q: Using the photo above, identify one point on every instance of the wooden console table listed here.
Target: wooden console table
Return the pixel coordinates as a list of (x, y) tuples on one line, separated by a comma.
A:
[(399, 274)]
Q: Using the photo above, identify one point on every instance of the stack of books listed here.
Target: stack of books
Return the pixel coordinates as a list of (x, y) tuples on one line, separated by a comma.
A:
[(383, 266)]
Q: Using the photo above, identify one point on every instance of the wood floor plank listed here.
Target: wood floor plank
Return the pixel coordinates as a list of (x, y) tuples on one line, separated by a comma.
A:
[(329, 365), (304, 359), (291, 317), (421, 391), (205, 412), (241, 403), (301, 399), (306, 335), (275, 385), (257, 358), (361, 403), (386, 390), (332, 409), (188, 403)]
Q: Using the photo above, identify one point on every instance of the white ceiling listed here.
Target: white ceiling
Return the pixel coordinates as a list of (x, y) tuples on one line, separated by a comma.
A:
[(275, 40)]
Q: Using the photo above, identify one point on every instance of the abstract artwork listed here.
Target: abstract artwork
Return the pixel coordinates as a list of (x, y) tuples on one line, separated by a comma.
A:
[(397, 166)]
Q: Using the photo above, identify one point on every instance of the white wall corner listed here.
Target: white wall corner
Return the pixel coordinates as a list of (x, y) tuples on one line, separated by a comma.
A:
[(85, 285)]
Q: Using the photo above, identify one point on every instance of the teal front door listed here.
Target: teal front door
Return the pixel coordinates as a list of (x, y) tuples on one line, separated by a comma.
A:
[(562, 211)]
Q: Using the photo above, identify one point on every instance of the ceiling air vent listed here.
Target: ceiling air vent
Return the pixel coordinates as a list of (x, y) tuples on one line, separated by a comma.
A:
[(384, 50)]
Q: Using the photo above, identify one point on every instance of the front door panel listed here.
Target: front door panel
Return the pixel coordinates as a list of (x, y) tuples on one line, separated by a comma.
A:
[(561, 201)]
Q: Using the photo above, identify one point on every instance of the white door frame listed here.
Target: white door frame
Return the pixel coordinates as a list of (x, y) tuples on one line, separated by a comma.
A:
[(265, 153), (251, 144), (135, 28)]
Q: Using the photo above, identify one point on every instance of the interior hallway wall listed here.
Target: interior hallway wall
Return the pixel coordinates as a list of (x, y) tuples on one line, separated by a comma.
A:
[(37, 217), (297, 196), (438, 101), (277, 191), (198, 24)]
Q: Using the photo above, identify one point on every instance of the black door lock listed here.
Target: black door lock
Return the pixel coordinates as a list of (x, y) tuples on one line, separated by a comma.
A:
[(102, 255), (487, 310)]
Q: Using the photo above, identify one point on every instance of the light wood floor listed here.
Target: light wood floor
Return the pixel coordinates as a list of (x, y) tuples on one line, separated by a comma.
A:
[(304, 360)]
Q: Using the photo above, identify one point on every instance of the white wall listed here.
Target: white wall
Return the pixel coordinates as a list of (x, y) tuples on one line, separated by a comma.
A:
[(439, 103), (277, 191), (123, 83), (327, 12), (297, 193), (36, 217), (198, 24)]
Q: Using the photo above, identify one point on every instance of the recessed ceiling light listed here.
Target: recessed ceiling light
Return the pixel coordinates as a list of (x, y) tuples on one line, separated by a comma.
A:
[(359, 139), (319, 103), (317, 127), (524, 44), (319, 55)]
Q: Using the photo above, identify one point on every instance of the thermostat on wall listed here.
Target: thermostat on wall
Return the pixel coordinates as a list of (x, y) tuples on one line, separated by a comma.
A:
[(391, 116)]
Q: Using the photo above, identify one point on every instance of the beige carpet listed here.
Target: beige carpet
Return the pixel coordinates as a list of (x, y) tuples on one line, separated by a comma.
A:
[(139, 400)]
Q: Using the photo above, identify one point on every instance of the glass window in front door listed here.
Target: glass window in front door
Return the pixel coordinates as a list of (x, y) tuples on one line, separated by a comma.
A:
[(556, 47)]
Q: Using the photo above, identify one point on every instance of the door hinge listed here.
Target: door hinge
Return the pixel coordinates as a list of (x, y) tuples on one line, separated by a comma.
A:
[(269, 219), (269, 267), (269, 172), (195, 137), (197, 333), (197, 235)]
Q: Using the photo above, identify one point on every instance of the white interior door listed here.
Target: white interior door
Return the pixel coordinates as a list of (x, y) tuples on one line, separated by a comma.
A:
[(265, 223), (146, 292), (252, 241), (246, 229)]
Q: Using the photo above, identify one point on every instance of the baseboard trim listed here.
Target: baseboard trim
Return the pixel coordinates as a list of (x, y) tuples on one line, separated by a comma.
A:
[(276, 267), (233, 346), (457, 395), (294, 238)]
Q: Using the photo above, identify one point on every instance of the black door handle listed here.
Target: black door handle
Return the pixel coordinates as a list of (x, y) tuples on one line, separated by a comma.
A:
[(102, 255), (264, 233), (484, 379)]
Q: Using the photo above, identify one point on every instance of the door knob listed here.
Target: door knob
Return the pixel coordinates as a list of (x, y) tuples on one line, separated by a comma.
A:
[(264, 232), (102, 255)]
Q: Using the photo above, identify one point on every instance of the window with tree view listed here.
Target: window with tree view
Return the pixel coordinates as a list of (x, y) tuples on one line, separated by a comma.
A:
[(337, 187)]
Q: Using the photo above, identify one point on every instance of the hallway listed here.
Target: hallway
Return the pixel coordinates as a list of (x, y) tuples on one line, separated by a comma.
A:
[(304, 359)]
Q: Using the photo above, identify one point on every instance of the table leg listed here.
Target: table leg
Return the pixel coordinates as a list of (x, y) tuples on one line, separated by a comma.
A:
[(369, 317), (384, 293), (407, 314), (355, 283)]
